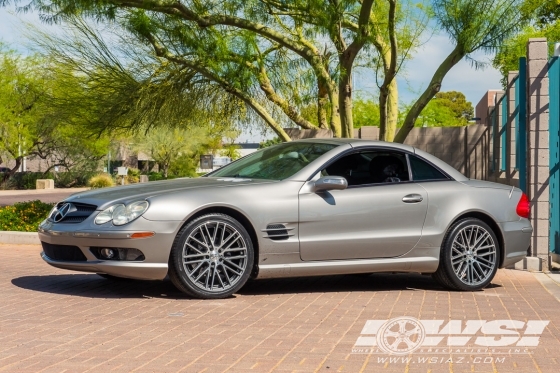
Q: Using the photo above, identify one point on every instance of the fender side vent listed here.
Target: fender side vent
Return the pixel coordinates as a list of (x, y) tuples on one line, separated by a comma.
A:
[(277, 232)]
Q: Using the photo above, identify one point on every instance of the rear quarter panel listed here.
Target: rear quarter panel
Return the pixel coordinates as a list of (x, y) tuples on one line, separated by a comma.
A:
[(448, 200)]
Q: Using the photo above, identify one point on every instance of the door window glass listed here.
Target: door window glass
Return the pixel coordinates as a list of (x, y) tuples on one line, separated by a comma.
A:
[(370, 167)]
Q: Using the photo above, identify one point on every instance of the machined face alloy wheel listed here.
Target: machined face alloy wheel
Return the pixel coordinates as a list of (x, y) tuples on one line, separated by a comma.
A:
[(215, 256), (473, 255)]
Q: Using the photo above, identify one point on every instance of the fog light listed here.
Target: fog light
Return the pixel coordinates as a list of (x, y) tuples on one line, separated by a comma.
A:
[(107, 253)]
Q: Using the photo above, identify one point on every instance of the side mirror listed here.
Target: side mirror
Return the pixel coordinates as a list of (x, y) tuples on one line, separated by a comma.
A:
[(330, 183)]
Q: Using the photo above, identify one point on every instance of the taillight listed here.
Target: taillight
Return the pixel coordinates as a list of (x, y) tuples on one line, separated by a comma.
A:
[(523, 206)]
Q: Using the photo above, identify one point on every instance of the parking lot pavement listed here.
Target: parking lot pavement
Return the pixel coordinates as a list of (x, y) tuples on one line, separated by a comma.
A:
[(9, 197), (53, 320)]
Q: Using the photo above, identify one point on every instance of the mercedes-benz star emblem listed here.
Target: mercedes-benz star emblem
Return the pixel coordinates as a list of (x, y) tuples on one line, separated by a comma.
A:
[(60, 213)]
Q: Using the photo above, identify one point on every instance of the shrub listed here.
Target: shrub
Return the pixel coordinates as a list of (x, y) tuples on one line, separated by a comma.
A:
[(101, 181), (155, 176), (133, 176), (24, 216)]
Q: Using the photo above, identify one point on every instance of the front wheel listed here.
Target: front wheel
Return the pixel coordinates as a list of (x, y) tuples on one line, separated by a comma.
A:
[(469, 256), (212, 257)]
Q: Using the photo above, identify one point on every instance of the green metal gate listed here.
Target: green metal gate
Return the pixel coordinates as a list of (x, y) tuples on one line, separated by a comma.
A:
[(554, 147)]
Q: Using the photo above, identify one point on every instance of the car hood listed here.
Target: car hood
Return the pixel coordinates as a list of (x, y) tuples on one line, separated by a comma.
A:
[(127, 193)]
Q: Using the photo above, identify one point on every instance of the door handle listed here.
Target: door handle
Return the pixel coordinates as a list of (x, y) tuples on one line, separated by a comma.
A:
[(412, 198)]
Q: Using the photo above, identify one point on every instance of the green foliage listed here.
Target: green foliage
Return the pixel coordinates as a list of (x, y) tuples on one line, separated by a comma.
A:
[(446, 109), (366, 113), (184, 165), (267, 143), (36, 122), (24, 216), (541, 12), (101, 181), (155, 176), (177, 150), (133, 175), (507, 57)]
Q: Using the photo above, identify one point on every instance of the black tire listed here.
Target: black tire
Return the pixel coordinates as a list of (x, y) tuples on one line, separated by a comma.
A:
[(465, 263), (218, 264)]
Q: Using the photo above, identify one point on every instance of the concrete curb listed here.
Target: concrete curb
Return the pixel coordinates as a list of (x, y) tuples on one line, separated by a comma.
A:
[(549, 283), (19, 238)]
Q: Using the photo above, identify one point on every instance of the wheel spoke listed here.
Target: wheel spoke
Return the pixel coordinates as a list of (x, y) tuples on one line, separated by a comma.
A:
[(235, 257), (235, 249), (226, 266), (481, 239), (487, 253), (225, 273), (198, 242), (207, 238), (194, 261), (226, 260), (215, 233), (237, 237), (484, 264), (202, 273), (197, 267), (193, 255), (213, 277)]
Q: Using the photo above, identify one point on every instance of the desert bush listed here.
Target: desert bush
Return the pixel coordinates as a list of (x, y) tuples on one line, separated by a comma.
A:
[(101, 181), (24, 216), (133, 176)]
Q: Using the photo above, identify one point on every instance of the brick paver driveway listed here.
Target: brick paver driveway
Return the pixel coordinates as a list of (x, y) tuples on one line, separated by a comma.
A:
[(58, 321)]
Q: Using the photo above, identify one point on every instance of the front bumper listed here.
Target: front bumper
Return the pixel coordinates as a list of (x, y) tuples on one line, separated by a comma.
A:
[(517, 239), (156, 249)]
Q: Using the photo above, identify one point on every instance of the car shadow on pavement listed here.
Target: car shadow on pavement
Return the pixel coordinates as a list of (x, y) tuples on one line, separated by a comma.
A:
[(94, 286)]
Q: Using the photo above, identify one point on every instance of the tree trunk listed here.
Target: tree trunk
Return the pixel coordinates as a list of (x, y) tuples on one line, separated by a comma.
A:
[(322, 101), (382, 112), (345, 100), (435, 85), (8, 175), (392, 111), (335, 113)]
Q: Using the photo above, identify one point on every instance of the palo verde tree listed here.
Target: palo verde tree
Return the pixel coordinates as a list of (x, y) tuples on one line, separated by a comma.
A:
[(245, 40), (254, 50), (471, 25)]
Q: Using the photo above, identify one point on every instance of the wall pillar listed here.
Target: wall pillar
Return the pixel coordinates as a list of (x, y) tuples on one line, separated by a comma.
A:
[(537, 148)]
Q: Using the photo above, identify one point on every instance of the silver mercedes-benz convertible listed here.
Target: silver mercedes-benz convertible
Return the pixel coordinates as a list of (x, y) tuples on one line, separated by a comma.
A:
[(303, 208)]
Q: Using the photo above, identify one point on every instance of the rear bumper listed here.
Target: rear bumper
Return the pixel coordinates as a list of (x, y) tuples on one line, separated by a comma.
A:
[(517, 239), (156, 249)]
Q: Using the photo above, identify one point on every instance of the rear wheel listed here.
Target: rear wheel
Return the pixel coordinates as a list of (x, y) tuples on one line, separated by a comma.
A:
[(469, 256), (212, 257)]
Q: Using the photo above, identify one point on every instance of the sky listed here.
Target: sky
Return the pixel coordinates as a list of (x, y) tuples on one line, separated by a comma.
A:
[(462, 77)]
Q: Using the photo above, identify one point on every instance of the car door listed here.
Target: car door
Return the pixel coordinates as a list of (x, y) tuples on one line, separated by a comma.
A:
[(379, 215)]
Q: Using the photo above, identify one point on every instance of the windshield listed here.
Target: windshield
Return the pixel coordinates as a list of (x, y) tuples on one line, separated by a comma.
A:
[(275, 163)]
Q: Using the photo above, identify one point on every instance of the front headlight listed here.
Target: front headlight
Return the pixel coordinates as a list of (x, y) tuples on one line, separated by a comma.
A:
[(121, 214)]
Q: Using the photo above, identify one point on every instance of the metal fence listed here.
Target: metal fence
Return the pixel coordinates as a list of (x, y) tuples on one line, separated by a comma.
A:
[(509, 128), (554, 153)]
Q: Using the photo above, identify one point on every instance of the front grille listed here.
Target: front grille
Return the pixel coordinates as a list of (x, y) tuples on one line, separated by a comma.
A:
[(77, 213), (63, 252)]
